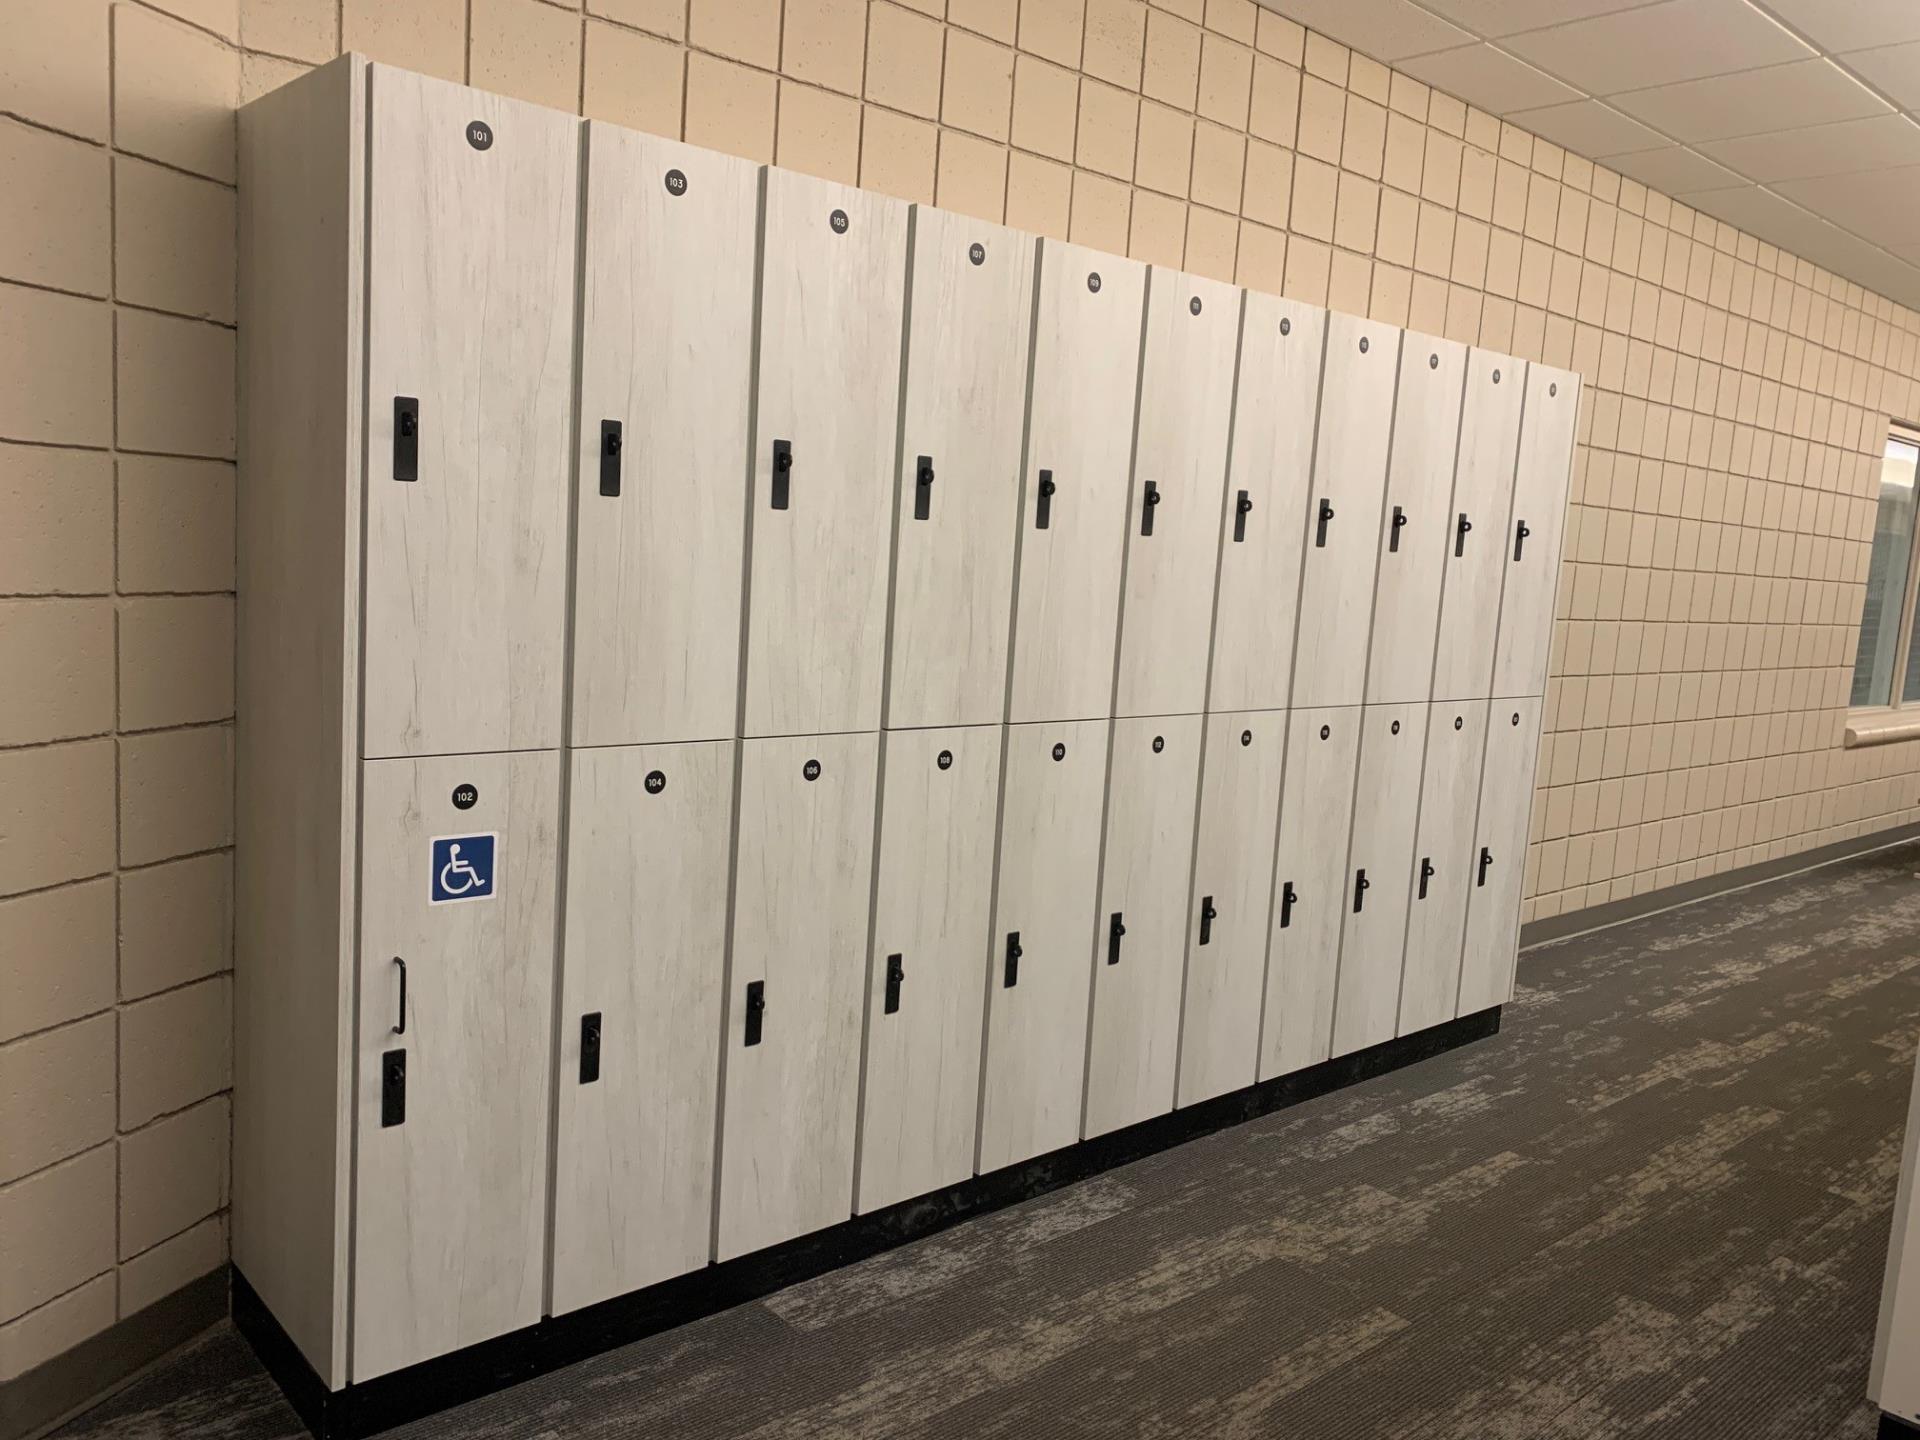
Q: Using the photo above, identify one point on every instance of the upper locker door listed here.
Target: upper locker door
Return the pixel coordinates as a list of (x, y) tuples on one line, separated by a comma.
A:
[(1141, 925), (1499, 856), (456, 996), (1482, 494), (1449, 794), (1418, 529), (790, 1072), (833, 273), (642, 975), (933, 901), (470, 271), (1343, 517), (666, 360), (1042, 941), (968, 342), (1309, 888), (1086, 372), (1379, 875), (1227, 916), (1180, 464), (1532, 543), (1263, 528)]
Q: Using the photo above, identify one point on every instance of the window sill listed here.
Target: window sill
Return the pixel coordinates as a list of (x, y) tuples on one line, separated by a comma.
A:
[(1882, 727)]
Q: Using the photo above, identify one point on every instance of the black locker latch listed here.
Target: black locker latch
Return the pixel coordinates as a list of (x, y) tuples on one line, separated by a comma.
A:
[(1012, 975), (1150, 504), (923, 488), (1240, 508), (393, 1089), (1287, 897), (1116, 932), (782, 472), (1426, 874), (590, 1048), (1460, 529), (1326, 514), (609, 457), (1486, 859), (1043, 508), (896, 973), (1207, 916), (406, 438), (756, 1010), (1360, 887), (1520, 533), (1399, 523)]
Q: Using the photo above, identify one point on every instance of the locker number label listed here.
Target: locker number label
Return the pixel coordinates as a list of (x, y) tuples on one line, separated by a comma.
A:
[(811, 769), (479, 134), (944, 760), (838, 220), (1059, 750), (977, 253), (463, 868), (655, 782), (676, 182), (465, 797)]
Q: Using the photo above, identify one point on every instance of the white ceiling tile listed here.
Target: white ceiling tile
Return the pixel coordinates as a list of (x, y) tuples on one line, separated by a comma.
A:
[(1490, 78), (1778, 97), (1658, 45), (1879, 205), (1387, 30), (1674, 170), (1909, 253), (1895, 70), (1836, 25), (1503, 17), (1587, 127), (1838, 149)]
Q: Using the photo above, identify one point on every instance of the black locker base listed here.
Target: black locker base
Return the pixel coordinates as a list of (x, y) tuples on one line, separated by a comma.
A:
[(436, 1384), (1892, 1427)]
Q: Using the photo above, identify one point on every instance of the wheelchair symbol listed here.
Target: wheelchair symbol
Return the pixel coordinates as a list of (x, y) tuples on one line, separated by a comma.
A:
[(462, 868)]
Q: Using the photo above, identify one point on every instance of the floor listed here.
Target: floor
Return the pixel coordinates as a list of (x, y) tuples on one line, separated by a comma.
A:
[(1655, 1205)]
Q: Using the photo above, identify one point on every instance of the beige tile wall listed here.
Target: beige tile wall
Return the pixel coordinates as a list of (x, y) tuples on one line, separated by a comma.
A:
[(1716, 550)]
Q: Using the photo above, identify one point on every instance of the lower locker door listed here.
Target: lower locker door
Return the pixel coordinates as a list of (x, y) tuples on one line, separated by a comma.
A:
[(925, 992), (1379, 875), (1141, 923), (790, 1070), (1449, 793), (1042, 940), (642, 971), (1309, 888), (457, 880), (1227, 913), (1499, 856)]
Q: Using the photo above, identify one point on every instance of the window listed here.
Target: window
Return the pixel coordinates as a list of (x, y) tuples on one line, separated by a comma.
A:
[(1886, 671)]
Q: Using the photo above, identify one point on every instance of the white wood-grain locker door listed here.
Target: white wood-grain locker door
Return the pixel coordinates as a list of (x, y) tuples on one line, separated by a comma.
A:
[(1073, 522), (833, 275), (1499, 857), (1179, 468), (642, 974), (790, 1070), (1379, 875), (1140, 944), (1309, 888), (1227, 918), (933, 906), (1532, 543), (1482, 495), (969, 334), (666, 372), (1264, 528), (1449, 795), (1039, 973), (470, 274), (1343, 516), (1417, 528), (453, 1072)]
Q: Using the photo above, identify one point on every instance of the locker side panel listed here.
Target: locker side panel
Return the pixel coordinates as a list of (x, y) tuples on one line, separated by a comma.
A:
[(1449, 794), (1309, 888), (832, 296), (1227, 917), (1379, 875), (1417, 527), (1483, 493), (1086, 370), (1141, 925), (1499, 858), (1038, 972), (790, 1098), (638, 1070), (450, 1213), (925, 1001), (666, 356), (1534, 532), (1180, 463), (1263, 529), (969, 337), (470, 273), (1343, 519)]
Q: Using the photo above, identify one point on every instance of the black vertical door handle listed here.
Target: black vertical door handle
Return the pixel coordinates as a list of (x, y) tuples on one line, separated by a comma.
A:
[(1360, 887), (1116, 931), (1326, 515), (1043, 508), (782, 473), (406, 438), (1207, 916), (1399, 523), (1520, 533), (756, 1010), (1460, 529), (1148, 506), (1426, 874), (923, 488), (610, 457), (1241, 506), (896, 973), (1011, 977), (1486, 859), (401, 1027), (393, 1089), (590, 1048), (1287, 897)]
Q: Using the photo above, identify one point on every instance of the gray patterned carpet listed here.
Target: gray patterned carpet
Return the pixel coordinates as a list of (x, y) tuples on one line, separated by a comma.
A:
[(1655, 1205)]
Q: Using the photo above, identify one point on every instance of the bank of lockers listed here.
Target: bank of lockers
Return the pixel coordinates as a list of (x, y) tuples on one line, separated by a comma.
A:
[(793, 699)]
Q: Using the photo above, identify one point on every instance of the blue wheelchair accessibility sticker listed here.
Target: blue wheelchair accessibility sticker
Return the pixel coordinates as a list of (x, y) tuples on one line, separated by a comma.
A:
[(462, 868)]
